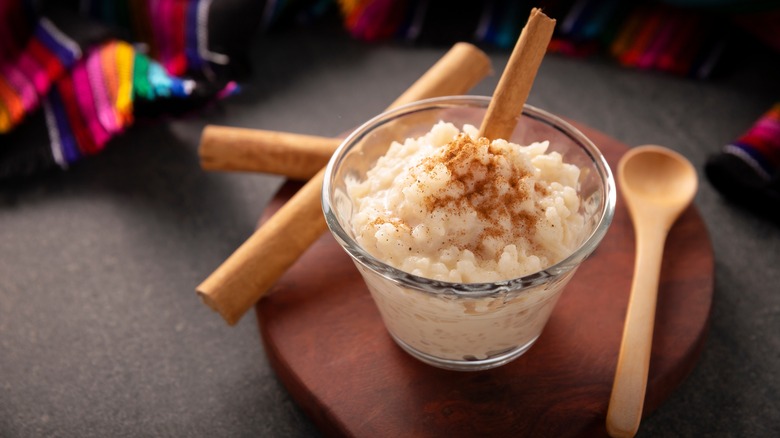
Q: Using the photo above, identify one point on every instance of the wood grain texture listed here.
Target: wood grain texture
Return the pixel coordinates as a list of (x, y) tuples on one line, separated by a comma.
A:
[(324, 337)]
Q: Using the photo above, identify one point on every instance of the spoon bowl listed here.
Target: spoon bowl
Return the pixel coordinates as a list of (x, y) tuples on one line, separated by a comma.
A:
[(659, 178), (657, 184)]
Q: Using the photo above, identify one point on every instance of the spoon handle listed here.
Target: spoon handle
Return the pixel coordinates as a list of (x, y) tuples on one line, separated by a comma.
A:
[(628, 390)]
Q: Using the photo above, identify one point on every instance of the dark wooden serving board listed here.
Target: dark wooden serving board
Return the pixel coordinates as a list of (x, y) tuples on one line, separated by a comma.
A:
[(326, 342)]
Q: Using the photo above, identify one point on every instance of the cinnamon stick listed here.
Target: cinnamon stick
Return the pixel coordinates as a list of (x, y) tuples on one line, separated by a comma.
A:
[(298, 156), (253, 268), (247, 275), (518, 77)]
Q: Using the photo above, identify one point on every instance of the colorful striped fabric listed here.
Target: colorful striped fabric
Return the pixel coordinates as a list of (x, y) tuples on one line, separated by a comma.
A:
[(88, 93), (759, 147), (28, 76), (747, 171), (93, 104), (173, 31), (647, 35)]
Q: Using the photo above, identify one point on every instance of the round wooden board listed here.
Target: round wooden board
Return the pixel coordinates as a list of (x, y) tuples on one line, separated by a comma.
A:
[(325, 340)]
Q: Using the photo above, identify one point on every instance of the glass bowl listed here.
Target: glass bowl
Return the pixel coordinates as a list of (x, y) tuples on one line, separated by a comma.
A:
[(465, 326)]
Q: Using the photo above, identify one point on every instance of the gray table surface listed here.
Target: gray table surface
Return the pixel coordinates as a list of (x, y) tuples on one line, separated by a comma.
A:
[(101, 333)]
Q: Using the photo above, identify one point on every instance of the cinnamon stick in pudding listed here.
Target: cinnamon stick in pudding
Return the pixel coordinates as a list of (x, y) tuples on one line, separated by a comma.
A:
[(518, 77), (255, 266), (299, 156)]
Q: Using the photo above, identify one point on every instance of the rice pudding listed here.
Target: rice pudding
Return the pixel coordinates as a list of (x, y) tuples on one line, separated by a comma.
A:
[(452, 207)]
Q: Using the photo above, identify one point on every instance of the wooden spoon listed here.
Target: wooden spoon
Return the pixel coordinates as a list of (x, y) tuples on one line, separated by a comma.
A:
[(657, 185)]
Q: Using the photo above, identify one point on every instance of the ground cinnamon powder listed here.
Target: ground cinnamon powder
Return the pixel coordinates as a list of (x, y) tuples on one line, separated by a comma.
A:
[(482, 187)]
